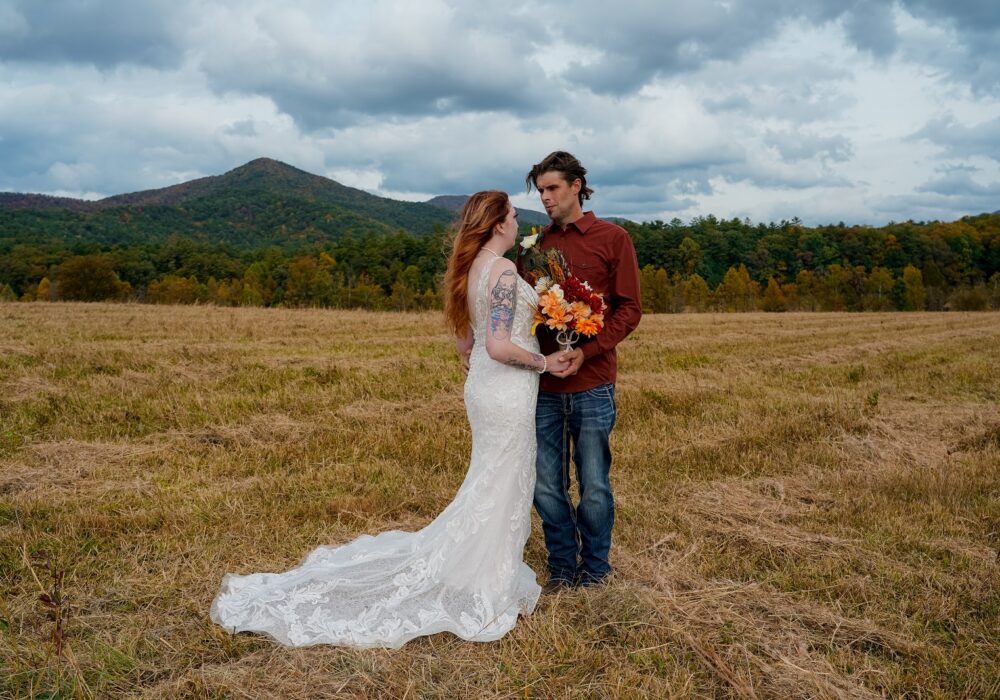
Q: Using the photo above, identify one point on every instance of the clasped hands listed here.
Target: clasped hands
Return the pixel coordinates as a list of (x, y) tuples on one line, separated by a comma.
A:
[(562, 363)]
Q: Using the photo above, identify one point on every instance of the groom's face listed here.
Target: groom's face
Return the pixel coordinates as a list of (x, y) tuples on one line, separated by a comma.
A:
[(560, 198)]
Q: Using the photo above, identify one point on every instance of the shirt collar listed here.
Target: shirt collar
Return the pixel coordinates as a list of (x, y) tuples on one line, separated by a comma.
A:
[(582, 224)]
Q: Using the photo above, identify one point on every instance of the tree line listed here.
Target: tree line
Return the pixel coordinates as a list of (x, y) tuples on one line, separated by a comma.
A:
[(706, 264)]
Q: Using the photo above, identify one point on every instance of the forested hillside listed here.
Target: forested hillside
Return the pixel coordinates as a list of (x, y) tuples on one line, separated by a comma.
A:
[(736, 265), (269, 234), (260, 204)]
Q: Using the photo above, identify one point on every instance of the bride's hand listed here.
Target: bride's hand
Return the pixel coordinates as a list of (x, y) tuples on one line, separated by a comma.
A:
[(556, 362), (570, 362)]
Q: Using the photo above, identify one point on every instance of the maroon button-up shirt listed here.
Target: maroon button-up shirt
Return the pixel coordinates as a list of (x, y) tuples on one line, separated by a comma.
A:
[(602, 254)]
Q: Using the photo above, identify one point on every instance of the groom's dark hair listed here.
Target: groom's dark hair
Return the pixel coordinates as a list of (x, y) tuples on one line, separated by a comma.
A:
[(567, 165)]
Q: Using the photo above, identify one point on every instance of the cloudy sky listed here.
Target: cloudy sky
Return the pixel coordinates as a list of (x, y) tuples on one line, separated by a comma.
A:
[(860, 111)]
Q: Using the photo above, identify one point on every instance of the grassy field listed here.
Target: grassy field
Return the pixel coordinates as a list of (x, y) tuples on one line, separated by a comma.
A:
[(808, 504)]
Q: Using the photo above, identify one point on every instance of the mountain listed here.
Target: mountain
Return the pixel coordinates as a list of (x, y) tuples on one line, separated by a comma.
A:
[(454, 202), (265, 176), (38, 202), (261, 176), (264, 202)]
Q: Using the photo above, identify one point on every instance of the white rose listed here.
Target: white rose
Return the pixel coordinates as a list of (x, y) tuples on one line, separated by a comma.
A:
[(528, 241)]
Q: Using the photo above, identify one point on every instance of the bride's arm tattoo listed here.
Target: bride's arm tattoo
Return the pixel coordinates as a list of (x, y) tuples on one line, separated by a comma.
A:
[(534, 356), (502, 301)]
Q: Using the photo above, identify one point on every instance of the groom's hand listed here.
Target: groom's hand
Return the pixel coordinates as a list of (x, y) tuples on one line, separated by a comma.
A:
[(574, 360)]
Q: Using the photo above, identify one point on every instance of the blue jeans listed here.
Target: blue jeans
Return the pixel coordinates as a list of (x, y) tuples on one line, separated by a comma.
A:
[(577, 538)]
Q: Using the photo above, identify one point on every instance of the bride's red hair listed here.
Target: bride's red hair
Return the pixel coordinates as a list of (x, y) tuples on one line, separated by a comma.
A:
[(480, 214)]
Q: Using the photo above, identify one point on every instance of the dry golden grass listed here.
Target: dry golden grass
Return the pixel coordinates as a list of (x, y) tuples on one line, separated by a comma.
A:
[(808, 505)]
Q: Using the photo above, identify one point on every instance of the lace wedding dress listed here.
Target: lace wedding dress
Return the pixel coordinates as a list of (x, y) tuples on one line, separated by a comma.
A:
[(462, 573)]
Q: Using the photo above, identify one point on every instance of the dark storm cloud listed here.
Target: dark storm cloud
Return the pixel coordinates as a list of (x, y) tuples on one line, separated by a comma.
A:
[(661, 38), (22, 152), (104, 33), (406, 174), (342, 98), (459, 57), (960, 141), (974, 59), (870, 25), (669, 195), (693, 171), (938, 206), (958, 182), (340, 66), (655, 38), (734, 102), (732, 162), (778, 176), (968, 15), (953, 193), (797, 145)]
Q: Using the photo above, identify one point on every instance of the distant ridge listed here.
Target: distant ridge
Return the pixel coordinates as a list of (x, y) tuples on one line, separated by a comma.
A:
[(253, 195), (257, 176), (263, 202), (451, 202), (41, 202), (454, 202)]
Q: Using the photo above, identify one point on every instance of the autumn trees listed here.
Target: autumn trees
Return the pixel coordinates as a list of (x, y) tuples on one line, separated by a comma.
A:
[(707, 264), (738, 266)]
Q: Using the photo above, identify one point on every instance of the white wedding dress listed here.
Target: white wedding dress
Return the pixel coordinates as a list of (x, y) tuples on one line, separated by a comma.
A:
[(463, 573)]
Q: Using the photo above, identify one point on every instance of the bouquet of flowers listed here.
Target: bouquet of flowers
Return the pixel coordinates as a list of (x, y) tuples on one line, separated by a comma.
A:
[(566, 303)]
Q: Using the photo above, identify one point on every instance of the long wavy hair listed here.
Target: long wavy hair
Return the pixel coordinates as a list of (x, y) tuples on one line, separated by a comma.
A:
[(474, 229)]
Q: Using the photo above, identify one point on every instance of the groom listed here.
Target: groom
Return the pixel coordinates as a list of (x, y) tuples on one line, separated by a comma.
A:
[(576, 407)]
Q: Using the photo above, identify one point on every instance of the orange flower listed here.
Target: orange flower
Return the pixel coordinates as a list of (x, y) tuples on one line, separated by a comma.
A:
[(580, 309), (550, 301), (558, 318), (588, 326)]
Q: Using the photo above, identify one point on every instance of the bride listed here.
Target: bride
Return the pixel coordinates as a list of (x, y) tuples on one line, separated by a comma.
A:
[(463, 573)]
